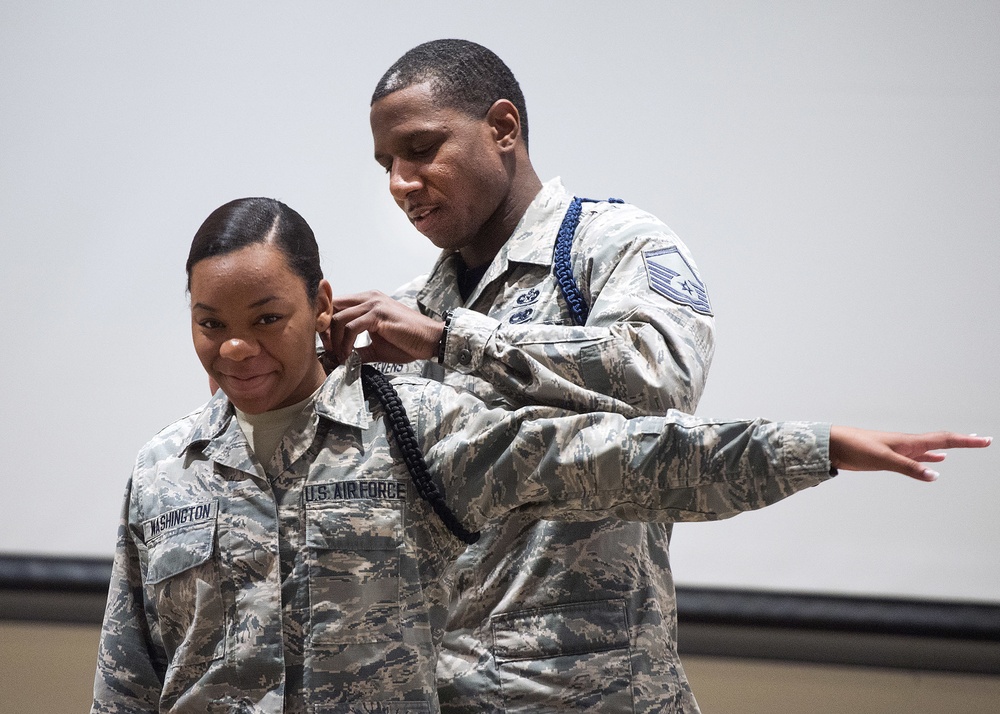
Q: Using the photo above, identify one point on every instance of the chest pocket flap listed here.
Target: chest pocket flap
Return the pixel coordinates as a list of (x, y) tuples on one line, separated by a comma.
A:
[(179, 540)]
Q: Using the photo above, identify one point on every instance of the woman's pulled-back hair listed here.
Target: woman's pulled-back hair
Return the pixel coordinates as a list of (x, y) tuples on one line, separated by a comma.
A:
[(247, 221)]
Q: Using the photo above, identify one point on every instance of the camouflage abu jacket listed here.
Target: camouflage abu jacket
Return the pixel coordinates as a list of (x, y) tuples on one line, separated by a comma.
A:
[(320, 590), (646, 347)]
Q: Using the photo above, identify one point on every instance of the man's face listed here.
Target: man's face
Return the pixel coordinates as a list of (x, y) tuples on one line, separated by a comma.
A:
[(446, 170)]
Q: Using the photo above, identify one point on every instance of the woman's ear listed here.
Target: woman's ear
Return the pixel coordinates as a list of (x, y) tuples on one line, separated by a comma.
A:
[(324, 306)]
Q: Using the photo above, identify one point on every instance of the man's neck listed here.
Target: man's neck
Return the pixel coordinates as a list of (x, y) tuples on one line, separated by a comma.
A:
[(500, 227)]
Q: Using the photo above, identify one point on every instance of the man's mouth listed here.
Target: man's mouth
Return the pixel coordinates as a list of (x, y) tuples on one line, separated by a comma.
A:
[(418, 214)]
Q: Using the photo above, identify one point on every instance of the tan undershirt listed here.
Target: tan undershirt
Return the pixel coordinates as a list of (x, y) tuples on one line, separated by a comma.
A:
[(265, 431)]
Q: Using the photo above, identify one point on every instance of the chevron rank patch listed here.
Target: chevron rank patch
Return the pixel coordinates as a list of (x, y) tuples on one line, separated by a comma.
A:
[(670, 275)]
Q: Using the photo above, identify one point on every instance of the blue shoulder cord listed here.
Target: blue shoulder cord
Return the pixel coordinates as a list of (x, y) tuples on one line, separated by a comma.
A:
[(561, 266)]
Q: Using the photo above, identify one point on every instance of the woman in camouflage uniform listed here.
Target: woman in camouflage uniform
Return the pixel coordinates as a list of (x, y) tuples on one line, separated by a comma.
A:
[(274, 553)]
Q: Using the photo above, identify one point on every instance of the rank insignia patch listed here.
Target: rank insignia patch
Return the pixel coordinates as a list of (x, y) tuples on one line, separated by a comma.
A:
[(670, 275)]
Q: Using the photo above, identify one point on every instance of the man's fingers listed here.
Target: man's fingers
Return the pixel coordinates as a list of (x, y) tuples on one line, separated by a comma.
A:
[(345, 327), (345, 301), (399, 333), (367, 354), (383, 352)]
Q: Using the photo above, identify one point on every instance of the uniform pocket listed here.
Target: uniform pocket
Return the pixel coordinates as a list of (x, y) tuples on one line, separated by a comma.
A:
[(573, 656), (353, 551), (182, 580)]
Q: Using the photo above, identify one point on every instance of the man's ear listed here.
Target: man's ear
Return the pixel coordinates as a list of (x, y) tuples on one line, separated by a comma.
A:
[(505, 121), (324, 306)]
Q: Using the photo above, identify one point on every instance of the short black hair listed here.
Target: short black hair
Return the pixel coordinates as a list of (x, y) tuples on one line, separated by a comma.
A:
[(247, 221), (463, 75)]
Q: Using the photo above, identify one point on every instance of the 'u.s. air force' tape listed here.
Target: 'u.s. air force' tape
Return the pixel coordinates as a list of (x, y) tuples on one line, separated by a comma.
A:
[(355, 491), (670, 275)]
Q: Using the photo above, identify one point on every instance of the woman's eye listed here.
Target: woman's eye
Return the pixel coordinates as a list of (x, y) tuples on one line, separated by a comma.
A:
[(269, 319), (210, 324)]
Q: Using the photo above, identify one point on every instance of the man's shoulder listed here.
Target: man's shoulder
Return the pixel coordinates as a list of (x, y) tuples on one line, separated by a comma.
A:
[(609, 232), (603, 221)]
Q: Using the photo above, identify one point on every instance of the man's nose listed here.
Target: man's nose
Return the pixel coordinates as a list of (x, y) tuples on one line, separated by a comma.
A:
[(403, 179)]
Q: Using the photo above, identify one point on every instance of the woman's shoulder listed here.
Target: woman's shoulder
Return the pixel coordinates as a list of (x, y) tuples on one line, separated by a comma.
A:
[(171, 441)]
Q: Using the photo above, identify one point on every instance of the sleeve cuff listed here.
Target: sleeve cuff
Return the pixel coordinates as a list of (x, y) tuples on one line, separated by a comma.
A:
[(464, 342), (805, 448)]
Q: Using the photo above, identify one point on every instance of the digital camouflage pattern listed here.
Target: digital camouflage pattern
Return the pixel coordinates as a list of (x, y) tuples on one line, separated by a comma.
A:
[(321, 589), (640, 352)]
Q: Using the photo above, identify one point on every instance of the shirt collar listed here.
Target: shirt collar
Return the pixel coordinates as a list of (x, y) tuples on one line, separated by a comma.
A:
[(341, 399), (532, 241)]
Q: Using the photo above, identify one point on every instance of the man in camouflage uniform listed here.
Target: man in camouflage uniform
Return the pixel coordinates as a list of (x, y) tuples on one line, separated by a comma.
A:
[(317, 585), (450, 128)]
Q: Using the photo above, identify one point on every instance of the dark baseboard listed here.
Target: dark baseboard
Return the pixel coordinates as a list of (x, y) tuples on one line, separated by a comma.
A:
[(52, 589), (829, 629), (796, 627)]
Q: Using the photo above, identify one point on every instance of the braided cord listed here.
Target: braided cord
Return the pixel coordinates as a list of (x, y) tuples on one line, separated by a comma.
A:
[(561, 264), (376, 384)]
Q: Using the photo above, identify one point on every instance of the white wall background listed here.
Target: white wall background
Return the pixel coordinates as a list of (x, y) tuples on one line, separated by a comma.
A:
[(835, 168)]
